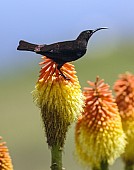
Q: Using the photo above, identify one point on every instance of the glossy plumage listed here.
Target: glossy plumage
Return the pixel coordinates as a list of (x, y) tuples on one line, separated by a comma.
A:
[(61, 52)]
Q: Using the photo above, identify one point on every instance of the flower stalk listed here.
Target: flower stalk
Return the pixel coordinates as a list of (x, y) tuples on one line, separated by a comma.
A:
[(103, 166), (129, 166), (56, 159)]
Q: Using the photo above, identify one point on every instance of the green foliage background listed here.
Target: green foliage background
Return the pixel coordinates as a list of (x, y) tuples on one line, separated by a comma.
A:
[(20, 121)]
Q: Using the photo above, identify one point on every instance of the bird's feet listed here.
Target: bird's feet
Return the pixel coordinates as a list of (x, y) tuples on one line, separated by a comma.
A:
[(65, 77)]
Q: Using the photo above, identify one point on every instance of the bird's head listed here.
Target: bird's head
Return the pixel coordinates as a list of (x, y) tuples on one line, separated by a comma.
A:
[(85, 35)]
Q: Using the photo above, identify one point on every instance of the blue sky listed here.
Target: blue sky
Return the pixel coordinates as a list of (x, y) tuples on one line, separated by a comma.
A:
[(50, 21)]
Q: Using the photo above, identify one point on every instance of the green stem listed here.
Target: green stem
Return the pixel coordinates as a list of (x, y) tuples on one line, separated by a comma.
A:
[(129, 166), (56, 158), (103, 166)]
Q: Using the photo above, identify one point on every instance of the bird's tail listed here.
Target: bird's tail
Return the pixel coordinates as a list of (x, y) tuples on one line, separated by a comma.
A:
[(26, 46)]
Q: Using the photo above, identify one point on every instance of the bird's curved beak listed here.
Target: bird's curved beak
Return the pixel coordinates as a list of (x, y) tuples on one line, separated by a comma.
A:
[(99, 29)]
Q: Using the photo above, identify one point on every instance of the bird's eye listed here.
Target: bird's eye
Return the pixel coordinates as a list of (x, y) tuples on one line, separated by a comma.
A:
[(89, 31)]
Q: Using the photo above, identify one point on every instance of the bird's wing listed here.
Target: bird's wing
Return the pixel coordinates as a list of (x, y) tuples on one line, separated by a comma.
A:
[(63, 51), (60, 47)]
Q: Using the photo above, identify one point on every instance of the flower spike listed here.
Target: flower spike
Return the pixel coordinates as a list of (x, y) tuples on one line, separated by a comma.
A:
[(99, 136), (5, 160), (124, 89), (60, 100)]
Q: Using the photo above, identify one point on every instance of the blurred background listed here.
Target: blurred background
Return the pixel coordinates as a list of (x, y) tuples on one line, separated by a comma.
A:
[(110, 52)]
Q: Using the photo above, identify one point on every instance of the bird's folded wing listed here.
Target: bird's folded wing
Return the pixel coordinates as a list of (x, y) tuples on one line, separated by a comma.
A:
[(60, 47)]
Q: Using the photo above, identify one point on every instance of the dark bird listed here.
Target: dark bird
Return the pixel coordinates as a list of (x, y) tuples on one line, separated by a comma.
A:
[(61, 52)]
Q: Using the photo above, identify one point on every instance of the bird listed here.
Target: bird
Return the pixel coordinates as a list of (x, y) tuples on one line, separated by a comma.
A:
[(61, 52)]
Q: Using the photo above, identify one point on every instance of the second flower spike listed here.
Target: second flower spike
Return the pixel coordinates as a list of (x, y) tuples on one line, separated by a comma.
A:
[(99, 136)]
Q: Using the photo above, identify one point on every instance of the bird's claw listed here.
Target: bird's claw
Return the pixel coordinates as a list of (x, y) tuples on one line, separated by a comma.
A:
[(65, 77)]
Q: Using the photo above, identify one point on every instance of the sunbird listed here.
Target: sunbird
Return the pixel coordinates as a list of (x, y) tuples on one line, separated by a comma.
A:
[(61, 52)]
